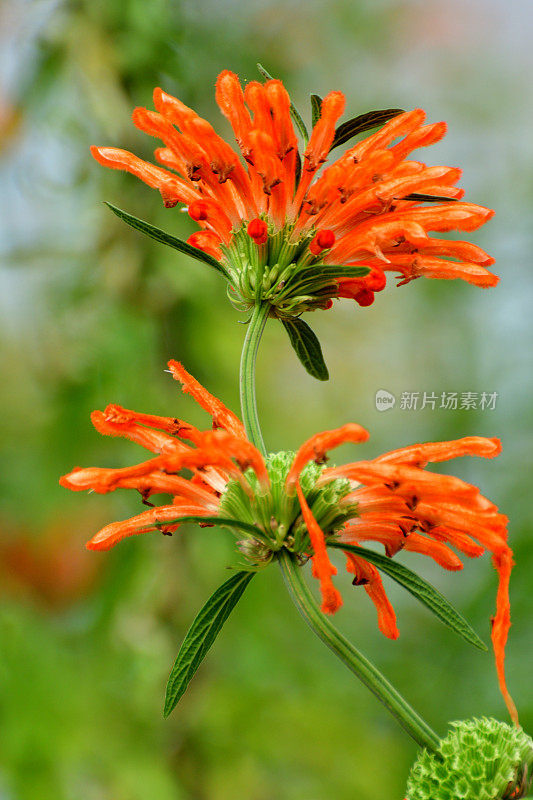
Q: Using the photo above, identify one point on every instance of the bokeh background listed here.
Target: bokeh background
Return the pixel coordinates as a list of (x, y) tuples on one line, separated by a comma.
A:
[(90, 313)]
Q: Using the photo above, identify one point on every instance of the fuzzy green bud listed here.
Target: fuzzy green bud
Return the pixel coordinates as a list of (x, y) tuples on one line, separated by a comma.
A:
[(480, 759)]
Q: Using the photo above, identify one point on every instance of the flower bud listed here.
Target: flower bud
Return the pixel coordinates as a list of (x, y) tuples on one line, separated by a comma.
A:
[(258, 231)]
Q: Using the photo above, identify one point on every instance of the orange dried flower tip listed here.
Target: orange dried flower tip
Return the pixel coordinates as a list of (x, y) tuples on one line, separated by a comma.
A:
[(324, 240), (258, 231)]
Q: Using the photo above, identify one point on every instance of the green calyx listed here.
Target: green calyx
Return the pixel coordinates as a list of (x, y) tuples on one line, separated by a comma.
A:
[(277, 514), (282, 272), (480, 759)]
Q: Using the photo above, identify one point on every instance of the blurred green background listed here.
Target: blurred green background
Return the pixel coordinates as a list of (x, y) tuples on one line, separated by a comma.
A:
[(90, 313)]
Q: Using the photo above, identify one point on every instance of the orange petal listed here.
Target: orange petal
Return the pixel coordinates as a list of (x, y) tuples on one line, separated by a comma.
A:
[(386, 531), (172, 425), (457, 539), (156, 441), (421, 454), (174, 188), (446, 558), (367, 575), (322, 134), (408, 481), (315, 448), (323, 569), (112, 534), (400, 125), (208, 241), (280, 104), (503, 563), (243, 451), (173, 109), (102, 480), (417, 265), (222, 416), (230, 99)]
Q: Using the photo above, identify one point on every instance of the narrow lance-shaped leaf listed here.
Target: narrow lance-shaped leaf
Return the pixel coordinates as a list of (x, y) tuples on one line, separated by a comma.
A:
[(298, 121), (362, 123), (167, 238), (202, 634), (307, 347), (420, 589), (316, 106), (331, 272)]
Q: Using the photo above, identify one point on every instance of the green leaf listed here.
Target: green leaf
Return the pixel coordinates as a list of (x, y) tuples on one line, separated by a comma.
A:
[(202, 634), (298, 121), (330, 272), (307, 347), (316, 105), (362, 123), (429, 198), (420, 589), (167, 238)]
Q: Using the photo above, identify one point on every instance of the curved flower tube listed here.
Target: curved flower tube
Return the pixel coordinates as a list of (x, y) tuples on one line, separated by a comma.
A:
[(292, 502), (291, 234)]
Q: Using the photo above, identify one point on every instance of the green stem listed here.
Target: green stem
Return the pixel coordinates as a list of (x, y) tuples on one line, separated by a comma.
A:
[(298, 589), (354, 660), (255, 330)]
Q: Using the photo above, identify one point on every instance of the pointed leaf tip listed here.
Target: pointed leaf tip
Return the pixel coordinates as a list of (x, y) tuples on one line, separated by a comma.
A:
[(362, 123), (201, 635), (316, 107), (419, 588)]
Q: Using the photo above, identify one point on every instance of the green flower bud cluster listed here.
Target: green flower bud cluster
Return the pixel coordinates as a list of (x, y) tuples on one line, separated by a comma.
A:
[(278, 514), (480, 759)]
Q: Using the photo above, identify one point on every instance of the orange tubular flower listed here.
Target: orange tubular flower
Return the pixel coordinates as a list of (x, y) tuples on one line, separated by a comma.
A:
[(294, 501), (273, 220)]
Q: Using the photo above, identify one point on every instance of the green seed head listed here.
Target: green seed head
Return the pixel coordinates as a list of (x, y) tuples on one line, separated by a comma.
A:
[(480, 759)]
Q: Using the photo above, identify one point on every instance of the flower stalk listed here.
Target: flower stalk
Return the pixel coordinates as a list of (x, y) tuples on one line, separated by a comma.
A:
[(254, 332), (367, 673), (300, 593)]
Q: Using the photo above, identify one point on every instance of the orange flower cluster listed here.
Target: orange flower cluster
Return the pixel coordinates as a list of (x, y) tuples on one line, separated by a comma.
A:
[(365, 209), (392, 499)]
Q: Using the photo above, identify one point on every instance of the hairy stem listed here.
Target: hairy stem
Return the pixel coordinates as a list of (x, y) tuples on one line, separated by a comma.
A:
[(255, 330), (349, 655)]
